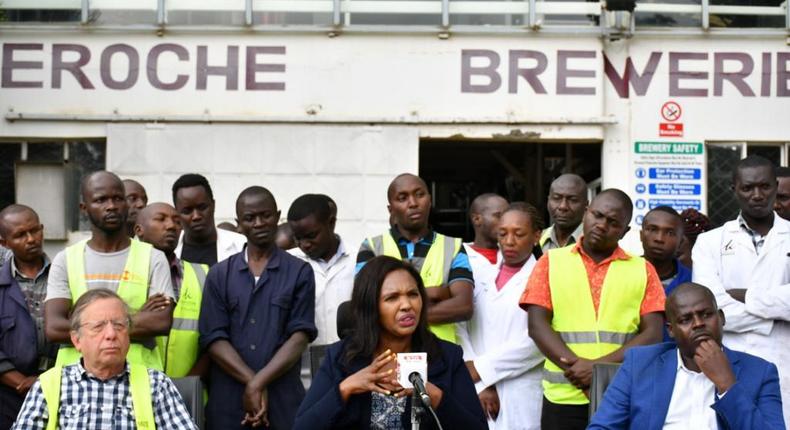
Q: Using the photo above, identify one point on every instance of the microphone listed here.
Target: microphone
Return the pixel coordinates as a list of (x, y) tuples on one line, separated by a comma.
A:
[(413, 373), (419, 388)]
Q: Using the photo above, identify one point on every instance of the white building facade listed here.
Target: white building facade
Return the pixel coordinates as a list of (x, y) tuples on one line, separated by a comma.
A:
[(662, 113)]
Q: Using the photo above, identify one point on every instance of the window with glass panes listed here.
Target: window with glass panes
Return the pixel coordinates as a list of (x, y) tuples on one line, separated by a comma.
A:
[(721, 161), (78, 158)]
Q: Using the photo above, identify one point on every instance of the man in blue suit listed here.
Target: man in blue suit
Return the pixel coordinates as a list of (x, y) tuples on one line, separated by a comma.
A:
[(696, 384)]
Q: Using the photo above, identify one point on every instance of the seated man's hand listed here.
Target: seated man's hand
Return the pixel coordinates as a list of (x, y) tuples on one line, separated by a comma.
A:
[(714, 364)]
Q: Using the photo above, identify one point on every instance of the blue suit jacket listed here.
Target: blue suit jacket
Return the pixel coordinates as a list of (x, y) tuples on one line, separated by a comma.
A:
[(323, 407), (639, 395)]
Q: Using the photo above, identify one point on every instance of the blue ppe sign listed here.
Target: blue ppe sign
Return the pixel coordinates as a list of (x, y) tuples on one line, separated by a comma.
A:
[(672, 173), (676, 189), (676, 204)]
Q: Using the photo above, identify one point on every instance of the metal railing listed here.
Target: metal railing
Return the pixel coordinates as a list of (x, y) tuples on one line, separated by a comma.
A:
[(445, 15)]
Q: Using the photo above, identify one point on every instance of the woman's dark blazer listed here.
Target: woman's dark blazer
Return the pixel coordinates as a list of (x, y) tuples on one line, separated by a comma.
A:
[(323, 408)]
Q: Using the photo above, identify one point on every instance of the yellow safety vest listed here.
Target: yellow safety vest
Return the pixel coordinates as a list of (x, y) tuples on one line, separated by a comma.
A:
[(545, 236), (435, 269), (139, 386), (575, 320), (180, 348), (133, 289)]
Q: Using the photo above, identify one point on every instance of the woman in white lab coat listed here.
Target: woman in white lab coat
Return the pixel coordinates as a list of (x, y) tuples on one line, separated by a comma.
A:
[(504, 362)]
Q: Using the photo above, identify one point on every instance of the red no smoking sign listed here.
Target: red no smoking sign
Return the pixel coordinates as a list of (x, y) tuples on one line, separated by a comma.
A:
[(671, 111)]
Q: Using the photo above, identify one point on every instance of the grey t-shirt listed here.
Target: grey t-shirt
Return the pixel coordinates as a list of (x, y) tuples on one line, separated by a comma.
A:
[(104, 270)]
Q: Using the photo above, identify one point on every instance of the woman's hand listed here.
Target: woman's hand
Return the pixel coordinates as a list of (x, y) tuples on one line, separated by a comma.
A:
[(369, 379)]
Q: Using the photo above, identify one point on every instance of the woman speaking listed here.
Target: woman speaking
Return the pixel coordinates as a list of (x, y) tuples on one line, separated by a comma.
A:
[(356, 388)]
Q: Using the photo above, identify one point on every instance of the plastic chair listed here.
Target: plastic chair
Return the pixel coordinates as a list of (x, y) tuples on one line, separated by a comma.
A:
[(603, 374), (317, 354), (191, 390)]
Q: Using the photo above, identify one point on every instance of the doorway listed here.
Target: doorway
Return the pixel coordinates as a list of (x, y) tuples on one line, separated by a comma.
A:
[(458, 171)]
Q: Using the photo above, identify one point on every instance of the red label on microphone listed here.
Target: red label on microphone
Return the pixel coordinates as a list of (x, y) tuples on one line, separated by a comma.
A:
[(410, 362)]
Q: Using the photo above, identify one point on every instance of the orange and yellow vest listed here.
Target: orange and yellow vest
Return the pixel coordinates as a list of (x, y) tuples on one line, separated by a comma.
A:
[(586, 334)]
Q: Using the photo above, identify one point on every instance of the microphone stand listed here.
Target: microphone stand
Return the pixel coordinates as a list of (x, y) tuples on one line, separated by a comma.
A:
[(416, 410)]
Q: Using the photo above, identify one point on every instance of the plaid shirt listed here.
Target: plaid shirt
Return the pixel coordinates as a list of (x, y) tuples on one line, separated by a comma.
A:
[(758, 240), (88, 403)]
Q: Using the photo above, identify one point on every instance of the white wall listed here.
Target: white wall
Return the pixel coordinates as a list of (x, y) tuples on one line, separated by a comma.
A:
[(353, 165)]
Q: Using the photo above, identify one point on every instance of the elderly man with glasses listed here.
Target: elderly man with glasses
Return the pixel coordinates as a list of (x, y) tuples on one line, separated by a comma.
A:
[(103, 390)]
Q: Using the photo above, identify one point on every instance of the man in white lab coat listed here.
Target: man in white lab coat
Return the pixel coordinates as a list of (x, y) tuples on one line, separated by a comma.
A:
[(746, 263), (311, 220), (485, 213)]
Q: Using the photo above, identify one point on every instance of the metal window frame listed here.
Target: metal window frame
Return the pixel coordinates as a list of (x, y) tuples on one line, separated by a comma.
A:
[(443, 9), (784, 154), (783, 149)]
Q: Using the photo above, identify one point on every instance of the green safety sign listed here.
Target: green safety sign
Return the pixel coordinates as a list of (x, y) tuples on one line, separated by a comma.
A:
[(669, 148)]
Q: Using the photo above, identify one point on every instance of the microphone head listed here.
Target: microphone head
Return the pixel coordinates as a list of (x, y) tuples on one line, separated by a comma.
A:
[(419, 388)]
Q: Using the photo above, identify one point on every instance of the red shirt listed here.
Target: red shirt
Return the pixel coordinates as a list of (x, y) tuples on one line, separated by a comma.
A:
[(537, 291), (488, 253)]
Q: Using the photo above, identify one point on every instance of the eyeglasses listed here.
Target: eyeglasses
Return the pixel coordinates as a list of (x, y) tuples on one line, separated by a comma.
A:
[(96, 327)]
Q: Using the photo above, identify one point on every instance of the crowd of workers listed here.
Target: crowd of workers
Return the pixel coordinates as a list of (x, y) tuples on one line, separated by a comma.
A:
[(513, 322)]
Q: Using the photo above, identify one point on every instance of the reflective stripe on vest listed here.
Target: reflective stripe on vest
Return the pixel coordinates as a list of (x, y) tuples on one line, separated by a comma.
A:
[(434, 268), (139, 387), (180, 348), (586, 334), (592, 337), (132, 288)]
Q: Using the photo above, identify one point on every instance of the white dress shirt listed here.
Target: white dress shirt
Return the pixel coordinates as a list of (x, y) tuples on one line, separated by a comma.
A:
[(692, 397), (334, 281)]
